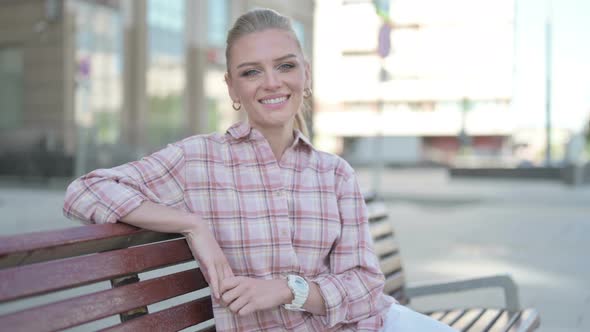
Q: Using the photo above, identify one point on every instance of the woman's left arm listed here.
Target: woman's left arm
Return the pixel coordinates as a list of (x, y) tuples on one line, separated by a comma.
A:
[(352, 291)]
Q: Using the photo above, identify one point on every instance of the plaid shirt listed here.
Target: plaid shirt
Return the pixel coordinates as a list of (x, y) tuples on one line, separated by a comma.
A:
[(303, 215)]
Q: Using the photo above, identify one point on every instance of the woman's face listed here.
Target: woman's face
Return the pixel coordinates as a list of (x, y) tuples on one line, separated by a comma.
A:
[(267, 75)]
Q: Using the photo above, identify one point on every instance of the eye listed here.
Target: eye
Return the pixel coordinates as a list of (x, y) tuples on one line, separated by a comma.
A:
[(249, 73), (286, 66)]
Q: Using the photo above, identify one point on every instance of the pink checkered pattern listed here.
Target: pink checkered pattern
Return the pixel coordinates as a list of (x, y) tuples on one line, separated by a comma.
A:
[(303, 215)]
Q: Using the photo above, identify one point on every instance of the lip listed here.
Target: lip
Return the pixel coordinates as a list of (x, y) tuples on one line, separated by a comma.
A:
[(277, 105)]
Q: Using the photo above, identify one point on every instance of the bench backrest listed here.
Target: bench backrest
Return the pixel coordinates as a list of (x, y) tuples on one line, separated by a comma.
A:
[(386, 247), (106, 276)]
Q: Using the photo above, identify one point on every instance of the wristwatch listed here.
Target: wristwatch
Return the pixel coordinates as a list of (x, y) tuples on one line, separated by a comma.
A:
[(300, 290)]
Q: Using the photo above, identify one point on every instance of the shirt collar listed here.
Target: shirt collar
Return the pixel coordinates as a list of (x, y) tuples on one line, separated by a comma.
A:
[(242, 130)]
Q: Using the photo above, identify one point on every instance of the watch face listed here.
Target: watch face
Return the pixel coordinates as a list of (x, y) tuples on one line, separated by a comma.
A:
[(300, 290), (300, 284)]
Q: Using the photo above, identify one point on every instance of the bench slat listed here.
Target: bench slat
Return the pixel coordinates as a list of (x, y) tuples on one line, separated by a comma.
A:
[(377, 211), (16, 250), (394, 282), (381, 229), (436, 315), (452, 316), (528, 321), (400, 296), (385, 246), (41, 278), (485, 322), (468, 319), (505, 321), (489, 320), (171, 319), (390, 264), (86, 308)]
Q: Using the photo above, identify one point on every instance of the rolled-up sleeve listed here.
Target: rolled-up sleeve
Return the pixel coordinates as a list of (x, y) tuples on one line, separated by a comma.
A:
[(353, 290), (107, 195)]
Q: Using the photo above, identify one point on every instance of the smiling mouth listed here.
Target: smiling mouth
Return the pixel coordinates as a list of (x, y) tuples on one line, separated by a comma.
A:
[(272, 101)]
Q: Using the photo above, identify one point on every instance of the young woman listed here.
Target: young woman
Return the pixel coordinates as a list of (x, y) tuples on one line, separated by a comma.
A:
[(279, 228)]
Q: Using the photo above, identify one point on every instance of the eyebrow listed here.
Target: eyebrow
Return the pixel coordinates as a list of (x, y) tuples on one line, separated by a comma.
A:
[(284, 57)]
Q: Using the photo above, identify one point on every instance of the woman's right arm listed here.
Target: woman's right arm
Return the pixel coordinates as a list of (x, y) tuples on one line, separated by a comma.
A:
[(203, 245), (149, 194), (107, 195)]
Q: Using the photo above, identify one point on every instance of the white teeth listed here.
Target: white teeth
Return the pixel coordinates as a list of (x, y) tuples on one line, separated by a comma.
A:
[(273, 100)]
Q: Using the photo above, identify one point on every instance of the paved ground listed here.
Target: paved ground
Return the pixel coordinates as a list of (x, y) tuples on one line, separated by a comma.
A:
[(535, 231)]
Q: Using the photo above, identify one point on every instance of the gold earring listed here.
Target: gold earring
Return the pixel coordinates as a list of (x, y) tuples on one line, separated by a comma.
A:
[(236, 105), (306, 93)]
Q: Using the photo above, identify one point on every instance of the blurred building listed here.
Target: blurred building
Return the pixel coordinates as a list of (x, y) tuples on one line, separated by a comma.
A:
[(443, 91), (94, 83)]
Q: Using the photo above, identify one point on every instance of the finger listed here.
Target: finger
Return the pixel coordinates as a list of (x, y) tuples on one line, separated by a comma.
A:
[(213, 284), (247, 309), (228, 272), (238, 304), (231, 295), (204, 273), (221, 271), (220, 275), (228, 283)]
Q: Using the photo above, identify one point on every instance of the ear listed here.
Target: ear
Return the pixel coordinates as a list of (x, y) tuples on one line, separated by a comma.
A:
[(230, 88)]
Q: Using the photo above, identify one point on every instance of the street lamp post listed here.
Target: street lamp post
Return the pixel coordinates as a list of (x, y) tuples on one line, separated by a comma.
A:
[(548, 83), (383, 50)]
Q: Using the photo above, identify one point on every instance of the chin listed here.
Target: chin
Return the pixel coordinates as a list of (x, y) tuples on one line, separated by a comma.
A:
[(276, 123)]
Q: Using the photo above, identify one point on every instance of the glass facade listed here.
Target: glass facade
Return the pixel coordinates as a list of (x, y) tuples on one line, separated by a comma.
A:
[(218, 24), (98, 92), (11, 87), (106, 81), (165, 72), (300, 32)]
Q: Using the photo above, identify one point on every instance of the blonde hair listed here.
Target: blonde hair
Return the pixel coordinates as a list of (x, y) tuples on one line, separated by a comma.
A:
[(257, 20)]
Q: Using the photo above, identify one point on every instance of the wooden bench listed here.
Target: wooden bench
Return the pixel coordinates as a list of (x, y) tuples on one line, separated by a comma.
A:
[(511, 317), (120, 278)]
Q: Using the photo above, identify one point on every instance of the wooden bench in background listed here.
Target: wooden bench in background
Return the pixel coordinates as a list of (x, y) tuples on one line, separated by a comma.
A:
[(508, 318), (88, 278)]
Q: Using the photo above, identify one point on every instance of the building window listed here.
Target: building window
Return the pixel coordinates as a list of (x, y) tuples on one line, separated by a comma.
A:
[(218, 24), (166, 28), (99, 76), (299, 32), (165, 71), (11, 87)]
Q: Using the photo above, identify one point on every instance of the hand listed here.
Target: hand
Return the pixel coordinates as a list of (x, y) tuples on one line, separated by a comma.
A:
[(243, 295), (212, 261)]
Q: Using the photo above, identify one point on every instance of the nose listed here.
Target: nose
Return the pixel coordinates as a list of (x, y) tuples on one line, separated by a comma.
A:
[(271, 81)]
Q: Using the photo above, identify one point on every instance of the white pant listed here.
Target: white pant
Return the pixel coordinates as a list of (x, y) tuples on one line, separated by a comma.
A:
[(402, 319)]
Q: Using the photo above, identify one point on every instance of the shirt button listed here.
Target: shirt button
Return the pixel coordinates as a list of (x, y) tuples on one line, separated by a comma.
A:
[(284, 232), (279, 193)]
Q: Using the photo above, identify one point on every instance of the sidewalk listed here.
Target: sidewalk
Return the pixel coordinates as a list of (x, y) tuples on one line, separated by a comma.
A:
[(536, 231), (32, 207)]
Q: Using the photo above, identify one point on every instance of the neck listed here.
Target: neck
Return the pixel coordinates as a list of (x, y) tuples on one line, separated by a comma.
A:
[(279, 138)]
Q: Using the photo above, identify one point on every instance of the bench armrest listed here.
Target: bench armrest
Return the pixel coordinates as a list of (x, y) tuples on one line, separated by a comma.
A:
[(502, 281)]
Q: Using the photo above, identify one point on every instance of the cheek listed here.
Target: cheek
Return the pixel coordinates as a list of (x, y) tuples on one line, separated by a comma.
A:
[(245, 91), (297, 84)]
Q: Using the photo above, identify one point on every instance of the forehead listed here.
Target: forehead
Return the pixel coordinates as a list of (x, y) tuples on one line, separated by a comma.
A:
[(263, 46)]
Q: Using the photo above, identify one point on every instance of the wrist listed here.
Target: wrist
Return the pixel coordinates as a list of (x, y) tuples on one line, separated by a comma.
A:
[(194, 225), (299, 288), (286, 293)]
